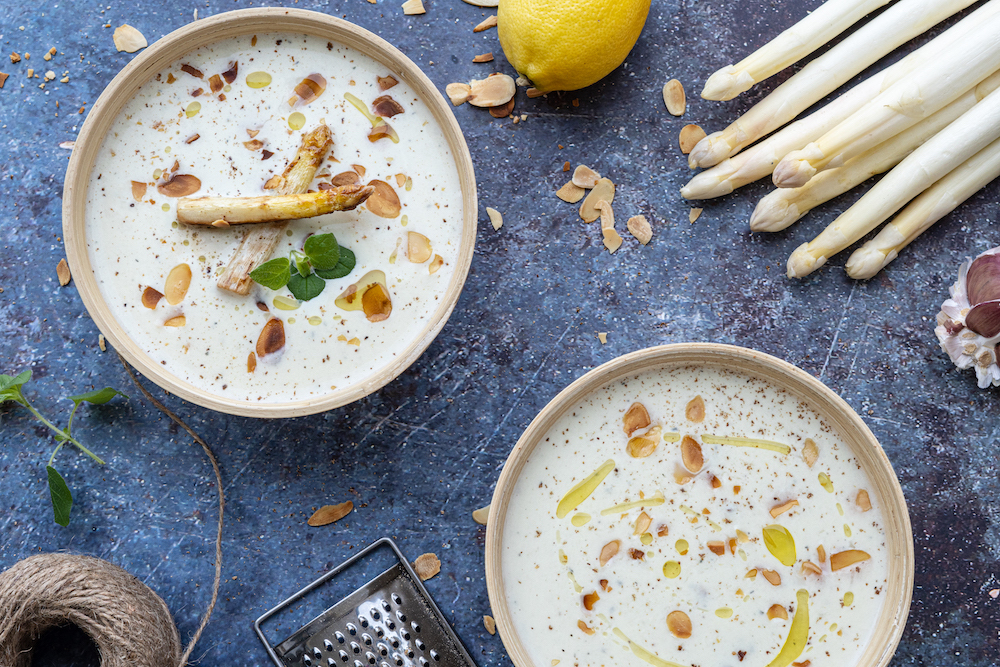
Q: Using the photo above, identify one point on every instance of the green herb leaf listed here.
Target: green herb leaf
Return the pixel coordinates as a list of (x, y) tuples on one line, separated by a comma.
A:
[(302, 265), (62, 499), (305, 288), (323, 251), (274, 274), (10, 387), (344, 266), (97, 397)]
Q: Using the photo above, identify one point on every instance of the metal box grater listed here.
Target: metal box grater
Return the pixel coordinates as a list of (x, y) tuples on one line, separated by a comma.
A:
[(390, 621)]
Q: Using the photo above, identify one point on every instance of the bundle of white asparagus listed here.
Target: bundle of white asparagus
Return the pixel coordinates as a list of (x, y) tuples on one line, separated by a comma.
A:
[(931, 120)]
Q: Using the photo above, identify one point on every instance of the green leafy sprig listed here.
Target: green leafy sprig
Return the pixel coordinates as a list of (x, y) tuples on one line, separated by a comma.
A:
[(62, 498), (305, 272)]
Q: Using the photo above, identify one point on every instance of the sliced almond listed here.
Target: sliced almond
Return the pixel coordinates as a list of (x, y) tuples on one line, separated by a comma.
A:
[(480, 515), (694, 214), (534, 92), (62, 272), (400, 180), (603, 190), (691, 454), (642, 524), (418, 248), (490, 624), (483, 58), (386, 82), (810, 452), (386, 107), (435, 264), (742, 537), (842, 559), (585, 177), (360, 169), (128, 39), (486, 24), (178, 321), (570, 193), (484, 3), (384, 202), (138, 190), (752, 574), (772, 577), (603, 337), (821, 552), (496, 219), (635, 418), (589, 599), (151, 297), (636, 554), (604, 585), (251, 362), (215, 83), (674, 98), (102, 343), (583, 626), (612, 239), (503, 110), (863, 501), (644, 445), (328, 514), (376, 303), (695, 410), (426, 566), (411, 7), (716, 482), (679, 624), (716, 547), (180, 185), (809, 567), (272, 337), (663, 531), (345, 178), (253, 144), (458, 93), (778, 510), (176, 286), (609, 551), (777, 611), (689, 136), (639, 227), (220, 223), (491, 91)]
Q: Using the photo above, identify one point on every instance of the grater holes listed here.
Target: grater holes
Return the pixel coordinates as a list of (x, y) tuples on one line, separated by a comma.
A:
[(353, 629), (340, 637), (398, 659), (397, 599), (317, 653), (424, 663), (355, 647), (435, 655), (330, 662), (421, 645), (390, 625), (358, 663), (404, 634), (364, 621), (415, 626), (375, 614), (367, 638), (385, 605), (383, 649), (394, 642), (379, 631), (306, 660), (409, 653), (371, 658), (327, 644), (401, 616), (343, 656)]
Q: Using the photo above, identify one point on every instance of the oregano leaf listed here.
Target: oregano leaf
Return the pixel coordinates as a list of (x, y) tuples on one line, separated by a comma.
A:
[(62, 499), (97, 397), (344, 266), (273, 274), (323, 251), (304, 288)]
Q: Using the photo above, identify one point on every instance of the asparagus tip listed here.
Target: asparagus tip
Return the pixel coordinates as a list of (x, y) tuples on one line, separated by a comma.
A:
[(709, 152), (773, 213), (726, 84), (801, 262), (792, 172)]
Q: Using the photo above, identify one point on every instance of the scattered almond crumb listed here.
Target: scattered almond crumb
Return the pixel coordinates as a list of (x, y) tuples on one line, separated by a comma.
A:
[(693, 215), (496, 218), (585, 177), (62, 270), (603, 337), (101, 343), (571, 193), (534, 92), (15, 57), (411, 7), (566, 166), (689, 136), (3, 79), (128, 39), (639, 227), (486, 24), (490, 624), (995, 593), (612, 239), (480, 515), (426, 566), (328, 514), (483, 58)]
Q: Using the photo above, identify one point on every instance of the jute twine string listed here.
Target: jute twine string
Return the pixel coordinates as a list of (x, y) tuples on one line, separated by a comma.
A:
[(128, 622)]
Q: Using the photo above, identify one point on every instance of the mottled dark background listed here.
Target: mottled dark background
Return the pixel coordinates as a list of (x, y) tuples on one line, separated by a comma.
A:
[(418, 456)]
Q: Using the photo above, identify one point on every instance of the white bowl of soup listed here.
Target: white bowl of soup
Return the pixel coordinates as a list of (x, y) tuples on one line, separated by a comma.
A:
[(219, 108), (699, 504)]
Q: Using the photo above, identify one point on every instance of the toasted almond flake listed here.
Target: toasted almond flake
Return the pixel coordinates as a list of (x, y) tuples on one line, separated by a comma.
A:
[(480, 515), (102, 343), (679, 624), (772, 577), (62, 272), (609, 551), (570, 193), (641, 446), (863, 501), (458, 93), (486, 24), (496, 219), (483, 58), (177, 283), (490, 624), (503, 110), (272, 337), (777, 611), (418, 247), (603, 190), (716, 547), (411, 7), (585, 177), (566, 166), (253, 144), (220, 224), (138, 190), (193, 138), (15, 57), (435, 264), (493, 91), (522, 82), (589, 599), (484, 3), (251, 362), (635, 418), (821, 552), (178, 321), (426, 566), (384, 202), (810, 452), (603, 337), (809, 567), (328, 514), (180, 185), (128, 39), (691, 454), (215, 83), (534, 92), (842, 559), (752, 574), (694, 411), (346, 178), (639, 227), (400, 180), (674, 98), (742, 537), (583, 626), (387, 107), (995, 593), (689, 136), (642, 523), (694, 214), (612, 239), (778, 510), (386, 82), (68, 145), (151, 297)]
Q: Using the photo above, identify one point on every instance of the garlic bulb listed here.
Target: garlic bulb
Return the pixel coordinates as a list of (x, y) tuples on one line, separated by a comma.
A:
[(969, 322)]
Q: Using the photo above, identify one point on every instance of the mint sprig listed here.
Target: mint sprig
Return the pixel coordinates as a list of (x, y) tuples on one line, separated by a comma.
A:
[(305, 272), (11, 390)]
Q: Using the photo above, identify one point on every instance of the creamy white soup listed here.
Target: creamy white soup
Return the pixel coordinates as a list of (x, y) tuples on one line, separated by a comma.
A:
[(693, 516), (232, 115)]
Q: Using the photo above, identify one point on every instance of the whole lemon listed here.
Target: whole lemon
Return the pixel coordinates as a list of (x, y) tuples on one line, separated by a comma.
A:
[(569, 44)]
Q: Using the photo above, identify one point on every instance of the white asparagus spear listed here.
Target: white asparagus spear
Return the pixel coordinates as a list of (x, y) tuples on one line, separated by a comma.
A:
[(933, 204), (941, 154), (784, 206), (906, 102), (759, 160), (270, 208), (816, 29), (898, 24)]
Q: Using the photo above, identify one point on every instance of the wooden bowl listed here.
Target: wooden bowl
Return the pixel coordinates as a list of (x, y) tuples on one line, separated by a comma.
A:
[(837, 413), (168, 50)]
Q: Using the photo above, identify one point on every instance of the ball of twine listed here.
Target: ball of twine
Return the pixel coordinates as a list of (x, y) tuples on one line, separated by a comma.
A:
[(128, 622)]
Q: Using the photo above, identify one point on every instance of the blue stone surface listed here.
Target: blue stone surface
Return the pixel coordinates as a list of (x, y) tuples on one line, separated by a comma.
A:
[(418, 456)]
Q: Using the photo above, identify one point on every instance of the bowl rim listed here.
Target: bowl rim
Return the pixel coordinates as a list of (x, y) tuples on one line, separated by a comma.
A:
[(168, 49), (899, 537)]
